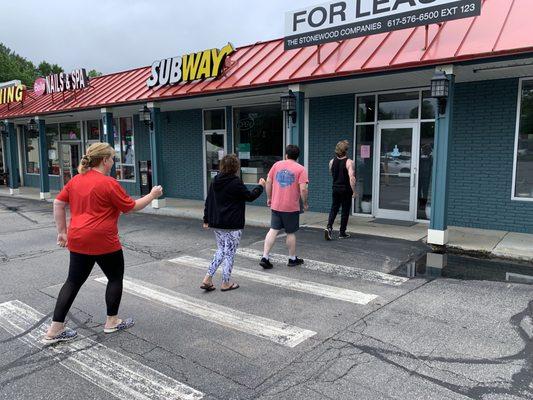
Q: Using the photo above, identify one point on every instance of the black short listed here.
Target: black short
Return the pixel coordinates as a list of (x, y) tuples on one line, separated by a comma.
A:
[(290, 221)]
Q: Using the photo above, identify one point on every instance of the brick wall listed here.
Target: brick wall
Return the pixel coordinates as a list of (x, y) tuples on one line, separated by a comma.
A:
[(331, 119), (182, 154), (481, 159)]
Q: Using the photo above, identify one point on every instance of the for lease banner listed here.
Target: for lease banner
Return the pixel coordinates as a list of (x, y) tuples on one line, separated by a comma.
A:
[(339, 20)]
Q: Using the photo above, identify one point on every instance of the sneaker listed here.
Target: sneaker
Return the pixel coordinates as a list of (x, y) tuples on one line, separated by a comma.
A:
[(265, 263), (344, 235), (65, 336), (328, 233), (294, 263)]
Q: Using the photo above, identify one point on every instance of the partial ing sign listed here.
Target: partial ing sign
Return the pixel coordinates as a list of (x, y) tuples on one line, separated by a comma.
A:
[(190, 67), (11, 92)]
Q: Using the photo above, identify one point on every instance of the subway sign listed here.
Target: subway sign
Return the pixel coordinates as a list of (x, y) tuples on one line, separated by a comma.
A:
[(340, 20), (12, 93), (190, 67)]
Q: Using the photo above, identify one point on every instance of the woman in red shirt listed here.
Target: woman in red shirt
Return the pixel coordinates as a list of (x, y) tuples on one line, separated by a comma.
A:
[(96, 201)]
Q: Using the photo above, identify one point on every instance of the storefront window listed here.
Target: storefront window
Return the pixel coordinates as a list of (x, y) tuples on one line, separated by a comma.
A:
[(2, 168), (124, 148), (70, 131), (524, 155), (214, 119), (398, 106), (425, 168), (93, 131), (429, 106), (52, 140), (258, 139), (32, 152), (366, 108), (364, 168)]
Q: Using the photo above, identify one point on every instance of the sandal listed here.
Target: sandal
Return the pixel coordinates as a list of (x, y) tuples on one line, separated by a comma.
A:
[(65, 336), (232, 287), (125, 324), (207, 287)]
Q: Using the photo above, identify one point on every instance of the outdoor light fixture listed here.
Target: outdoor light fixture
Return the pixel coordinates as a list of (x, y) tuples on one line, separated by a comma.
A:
[(440, 86), (288, 104), (32, 126), (3, 128), (145, 115)]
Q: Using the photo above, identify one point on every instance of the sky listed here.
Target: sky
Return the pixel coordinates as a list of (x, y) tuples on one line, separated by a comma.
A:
[(117, 35)]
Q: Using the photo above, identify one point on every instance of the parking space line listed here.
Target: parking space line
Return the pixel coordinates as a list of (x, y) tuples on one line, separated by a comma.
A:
[(113, 372), (275, 331), (317, 289), (336, 269)]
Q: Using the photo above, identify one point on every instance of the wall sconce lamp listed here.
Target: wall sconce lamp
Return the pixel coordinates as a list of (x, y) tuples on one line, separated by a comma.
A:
[(288, 104), (3, 129), (145, 115), (440, 87), (32, 126)]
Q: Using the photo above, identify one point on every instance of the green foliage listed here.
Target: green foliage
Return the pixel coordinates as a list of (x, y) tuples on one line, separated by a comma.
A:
[(44, 69), (13, 66), (93, 73)]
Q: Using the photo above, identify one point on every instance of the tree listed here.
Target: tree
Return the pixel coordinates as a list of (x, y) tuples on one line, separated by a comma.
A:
[(93, 73), (13, 66), (45, 69)]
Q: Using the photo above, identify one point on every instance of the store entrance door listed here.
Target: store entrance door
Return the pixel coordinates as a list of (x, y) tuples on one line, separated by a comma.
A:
[(214, 151), (397, 162), (70, 159)]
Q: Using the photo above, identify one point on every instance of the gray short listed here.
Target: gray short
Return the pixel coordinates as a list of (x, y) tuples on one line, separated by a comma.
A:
[(290, 221)]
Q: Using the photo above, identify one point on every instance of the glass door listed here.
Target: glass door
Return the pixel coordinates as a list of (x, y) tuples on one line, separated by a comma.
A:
[(214, 151), (214, 124), (397, 163), (70, 159)]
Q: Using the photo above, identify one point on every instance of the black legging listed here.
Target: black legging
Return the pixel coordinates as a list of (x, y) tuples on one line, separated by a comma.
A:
[(80, 268)]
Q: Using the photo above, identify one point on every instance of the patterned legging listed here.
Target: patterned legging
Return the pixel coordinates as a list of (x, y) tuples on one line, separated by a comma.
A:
[(227, 243)]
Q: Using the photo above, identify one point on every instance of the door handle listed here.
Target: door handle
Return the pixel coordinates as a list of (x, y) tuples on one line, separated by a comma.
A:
[(414, 177)]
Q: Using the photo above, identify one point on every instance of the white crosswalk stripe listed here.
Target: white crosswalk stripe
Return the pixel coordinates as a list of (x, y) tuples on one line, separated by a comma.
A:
[(317, 289), (121, 376), (341, 270), (277, 332)]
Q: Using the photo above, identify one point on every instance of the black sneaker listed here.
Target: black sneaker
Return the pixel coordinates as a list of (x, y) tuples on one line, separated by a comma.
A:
[(295, 262), (328, 233), (265, 263), (344, 235)]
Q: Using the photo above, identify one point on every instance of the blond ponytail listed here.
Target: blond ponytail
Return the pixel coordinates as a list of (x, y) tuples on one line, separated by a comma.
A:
[(94, 156)]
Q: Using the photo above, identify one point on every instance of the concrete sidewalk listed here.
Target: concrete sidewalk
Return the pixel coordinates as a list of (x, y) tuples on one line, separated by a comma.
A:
[(512, 245)]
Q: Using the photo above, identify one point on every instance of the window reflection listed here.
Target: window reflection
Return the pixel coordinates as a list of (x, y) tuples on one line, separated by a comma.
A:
[(524, 156), (258, 139), (398, 106)]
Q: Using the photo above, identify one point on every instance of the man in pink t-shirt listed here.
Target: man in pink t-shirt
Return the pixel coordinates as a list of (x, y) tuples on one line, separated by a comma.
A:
[(286, 185)]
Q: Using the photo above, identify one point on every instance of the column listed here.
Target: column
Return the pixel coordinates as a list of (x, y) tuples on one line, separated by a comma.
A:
[(108, 135), (438, 227), (12, 158), (156, 136), (43, 160), (229, 130), (296, 129)]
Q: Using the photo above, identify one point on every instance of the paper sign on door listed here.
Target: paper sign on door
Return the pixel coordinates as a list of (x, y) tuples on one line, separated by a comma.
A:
[(365, 151)]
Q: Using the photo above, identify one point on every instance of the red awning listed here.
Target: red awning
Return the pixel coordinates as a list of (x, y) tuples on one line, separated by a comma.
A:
[(504, 27)]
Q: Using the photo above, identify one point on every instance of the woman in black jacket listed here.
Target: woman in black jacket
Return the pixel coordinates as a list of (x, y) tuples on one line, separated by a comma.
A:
[(224, 212)]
